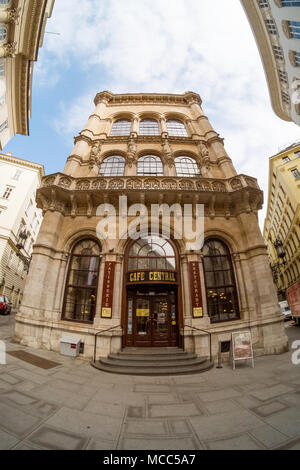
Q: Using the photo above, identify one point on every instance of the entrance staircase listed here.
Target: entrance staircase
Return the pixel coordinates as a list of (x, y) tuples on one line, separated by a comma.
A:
[(153, 361)]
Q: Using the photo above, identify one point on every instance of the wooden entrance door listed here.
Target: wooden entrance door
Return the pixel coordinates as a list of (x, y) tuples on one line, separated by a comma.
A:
[(152, 318)]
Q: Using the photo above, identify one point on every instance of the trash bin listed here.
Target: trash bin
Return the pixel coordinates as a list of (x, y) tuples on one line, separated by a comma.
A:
[(69, 346)]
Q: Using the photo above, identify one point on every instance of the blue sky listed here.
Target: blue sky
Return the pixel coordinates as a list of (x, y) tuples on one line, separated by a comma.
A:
[(152, 46)]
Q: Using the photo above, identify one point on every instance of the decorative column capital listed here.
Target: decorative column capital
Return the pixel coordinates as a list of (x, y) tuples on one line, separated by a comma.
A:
[(13, 15), (8, 49)]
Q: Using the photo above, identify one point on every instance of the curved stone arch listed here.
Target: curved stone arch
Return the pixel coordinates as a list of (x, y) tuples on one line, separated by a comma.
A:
[(148, 115), (156, 153), (121, 115), (75, 236), (187, 153), (225, 237), (177, 116), (112, 153)]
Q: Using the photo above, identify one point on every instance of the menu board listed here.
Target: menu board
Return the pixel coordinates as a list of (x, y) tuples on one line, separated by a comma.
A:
[(241, 346)]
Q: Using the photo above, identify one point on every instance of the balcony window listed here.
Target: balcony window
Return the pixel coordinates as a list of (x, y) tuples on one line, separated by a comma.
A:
[(121, 127), (112, 166), (150, 165), (186, 167), (176, 128), (149, 127)]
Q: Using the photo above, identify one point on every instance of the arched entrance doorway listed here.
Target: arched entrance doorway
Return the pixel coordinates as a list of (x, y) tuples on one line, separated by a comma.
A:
[(152, 301)]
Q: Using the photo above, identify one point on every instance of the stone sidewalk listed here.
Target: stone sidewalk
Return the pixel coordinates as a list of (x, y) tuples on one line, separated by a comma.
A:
[(74, 406)]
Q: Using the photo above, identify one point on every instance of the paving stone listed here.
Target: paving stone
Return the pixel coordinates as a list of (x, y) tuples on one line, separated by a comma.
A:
[(286, 421), (221, 425), (269, 408), (7, 441), (221, 406), (62, 397), (184, 443), (135, 412), (54, 439), (269, 436), (247, 402), (33, 377), (179, 427), (18, 398), (271, 392), (5, 386), (101, 445), (188, 409), (293, 445), (96, 405), (152, 388), (160, 398), (16, 421), (87, 424), (146, 427), (219, 395), (10, 379), (241, 442)]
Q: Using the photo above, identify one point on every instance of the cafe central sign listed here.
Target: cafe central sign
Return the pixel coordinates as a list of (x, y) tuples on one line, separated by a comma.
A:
[(152, 276)]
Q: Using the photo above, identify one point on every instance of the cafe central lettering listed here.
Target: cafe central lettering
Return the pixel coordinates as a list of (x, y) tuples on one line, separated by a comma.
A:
[(152, 276)]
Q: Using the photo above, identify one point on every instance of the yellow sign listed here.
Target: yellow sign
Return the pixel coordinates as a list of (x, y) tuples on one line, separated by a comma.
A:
[(142, 312), (198, 312), (145, 276), (106, 312)]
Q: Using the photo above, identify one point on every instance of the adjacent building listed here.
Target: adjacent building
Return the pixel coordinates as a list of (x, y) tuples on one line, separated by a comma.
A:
[(22, 28), (276, 27), (283, 219), (18, 215), (156, 289)]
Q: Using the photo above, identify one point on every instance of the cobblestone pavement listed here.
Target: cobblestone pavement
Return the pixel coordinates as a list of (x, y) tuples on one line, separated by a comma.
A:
[(74, 406)]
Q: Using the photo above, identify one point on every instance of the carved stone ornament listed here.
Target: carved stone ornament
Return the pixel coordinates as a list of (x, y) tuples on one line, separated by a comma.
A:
[(10, 49), (203, 149), (94, 156), (13, 15), (131, 156)]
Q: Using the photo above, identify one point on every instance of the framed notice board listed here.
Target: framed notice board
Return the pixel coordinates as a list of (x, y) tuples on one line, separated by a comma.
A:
[(241, 345)]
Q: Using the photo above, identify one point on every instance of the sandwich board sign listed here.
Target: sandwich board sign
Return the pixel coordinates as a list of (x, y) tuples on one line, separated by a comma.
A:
[(241, 347)]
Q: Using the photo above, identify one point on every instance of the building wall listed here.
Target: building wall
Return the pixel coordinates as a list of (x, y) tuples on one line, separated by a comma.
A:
[(282, 69), (70, 199), (18, 212), (22, 23), (283, 215)]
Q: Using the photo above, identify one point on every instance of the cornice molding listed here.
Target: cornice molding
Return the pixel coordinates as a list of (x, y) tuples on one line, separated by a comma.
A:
[(25, 163), (109, 98)]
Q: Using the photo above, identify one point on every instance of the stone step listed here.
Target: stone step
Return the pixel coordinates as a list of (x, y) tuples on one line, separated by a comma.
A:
[(155, 371), (153, 357), (152, 351), (133, 363)]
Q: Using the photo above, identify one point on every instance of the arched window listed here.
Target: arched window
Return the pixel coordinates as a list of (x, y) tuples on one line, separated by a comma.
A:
[(112, 166), (150, 165), (121, 127), (151, 252), (149, 127), (221, 293), (82, 282), (186, 166), (3, 33), (176, 128)]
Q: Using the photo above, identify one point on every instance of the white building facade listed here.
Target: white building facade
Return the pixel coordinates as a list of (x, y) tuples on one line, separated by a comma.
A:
[(276, 27), (18, 214)]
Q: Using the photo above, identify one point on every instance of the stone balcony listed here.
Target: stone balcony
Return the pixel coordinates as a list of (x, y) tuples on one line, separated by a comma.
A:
[(234, 194)]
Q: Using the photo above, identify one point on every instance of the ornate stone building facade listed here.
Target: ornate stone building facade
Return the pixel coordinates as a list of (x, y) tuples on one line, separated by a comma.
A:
[(150, 291)]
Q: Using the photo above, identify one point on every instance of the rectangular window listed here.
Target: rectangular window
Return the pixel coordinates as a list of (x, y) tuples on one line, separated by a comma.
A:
[(283, 77), (294, 27), (271, 27), (297, 59), (278, 52), (290, 3), (263, 3), (286, 159), (17, 175), (4, 126), (7, 192), (285, 98), (297, 154), (296, 173)]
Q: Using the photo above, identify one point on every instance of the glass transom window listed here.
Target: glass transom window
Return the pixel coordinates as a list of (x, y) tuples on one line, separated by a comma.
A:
[(112, 166), (150, 165), (149, 127), (186, 166), (121, 127), (176, 128), (151, 252)]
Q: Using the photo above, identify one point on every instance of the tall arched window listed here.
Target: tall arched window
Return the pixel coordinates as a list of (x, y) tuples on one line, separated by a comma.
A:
[(151, 252), (176, 128), (82, 282), (121, 127), (150, 165), (112, 166), (149, 127), (221, 293), (186, 166)]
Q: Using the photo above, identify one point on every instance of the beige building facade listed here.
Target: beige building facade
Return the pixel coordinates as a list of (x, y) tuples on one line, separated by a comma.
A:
[(18, 214), (22, 28), (276, 27), (283, 218), (153, 290)]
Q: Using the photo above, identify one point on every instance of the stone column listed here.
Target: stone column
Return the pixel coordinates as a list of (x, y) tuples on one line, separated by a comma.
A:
[(163, 127), (135, 126)]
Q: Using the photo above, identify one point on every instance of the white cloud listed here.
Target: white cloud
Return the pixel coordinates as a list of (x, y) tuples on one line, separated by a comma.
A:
[(172, 46)]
